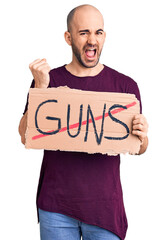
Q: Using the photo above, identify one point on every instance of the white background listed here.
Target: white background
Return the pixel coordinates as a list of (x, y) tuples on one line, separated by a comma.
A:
[(136, 46)]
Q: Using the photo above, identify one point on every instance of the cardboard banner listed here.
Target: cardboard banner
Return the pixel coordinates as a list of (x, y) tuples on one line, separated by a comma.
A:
[(83, 121)]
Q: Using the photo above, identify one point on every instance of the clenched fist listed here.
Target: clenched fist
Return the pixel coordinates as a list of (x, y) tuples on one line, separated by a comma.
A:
[(40, 71)]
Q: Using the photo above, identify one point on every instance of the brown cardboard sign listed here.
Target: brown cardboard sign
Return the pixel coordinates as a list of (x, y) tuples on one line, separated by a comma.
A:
[(83, 121)]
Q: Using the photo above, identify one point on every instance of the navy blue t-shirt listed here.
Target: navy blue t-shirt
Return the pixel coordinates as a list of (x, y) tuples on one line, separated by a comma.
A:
[(86, 186)]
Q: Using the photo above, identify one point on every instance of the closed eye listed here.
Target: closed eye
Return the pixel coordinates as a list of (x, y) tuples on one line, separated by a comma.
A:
[(99, 32), (83, 33)]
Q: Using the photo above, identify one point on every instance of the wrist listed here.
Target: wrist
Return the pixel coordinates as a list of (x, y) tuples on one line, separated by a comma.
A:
[(144, 145), (41, 85)]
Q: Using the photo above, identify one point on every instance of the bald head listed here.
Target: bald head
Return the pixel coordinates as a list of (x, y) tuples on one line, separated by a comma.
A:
[(86, 10), (85, 35)]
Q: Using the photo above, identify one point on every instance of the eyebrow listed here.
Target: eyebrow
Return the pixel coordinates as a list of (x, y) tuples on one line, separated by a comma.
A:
[(87, 30), (100, 30)]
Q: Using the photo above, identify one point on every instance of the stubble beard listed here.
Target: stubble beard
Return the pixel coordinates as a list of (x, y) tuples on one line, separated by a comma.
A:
[(79, 57)]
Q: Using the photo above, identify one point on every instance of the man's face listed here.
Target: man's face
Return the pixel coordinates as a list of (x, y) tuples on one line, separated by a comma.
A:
[(87, 37)]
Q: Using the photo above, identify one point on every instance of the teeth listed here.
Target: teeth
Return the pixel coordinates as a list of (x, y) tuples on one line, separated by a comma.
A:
[(90, 49)]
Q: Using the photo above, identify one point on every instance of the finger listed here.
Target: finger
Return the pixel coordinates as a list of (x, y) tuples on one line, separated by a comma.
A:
[(36, 65), (139, 121), (141, 126), (37, 61), (43, 66), (138, 127), (137, 116), (139, 133)]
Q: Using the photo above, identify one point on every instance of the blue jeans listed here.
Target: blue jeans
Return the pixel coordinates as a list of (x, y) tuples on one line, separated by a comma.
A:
[(56, 226)]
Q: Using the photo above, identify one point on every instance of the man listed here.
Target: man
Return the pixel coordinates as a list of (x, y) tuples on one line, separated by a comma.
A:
[(79, 193)]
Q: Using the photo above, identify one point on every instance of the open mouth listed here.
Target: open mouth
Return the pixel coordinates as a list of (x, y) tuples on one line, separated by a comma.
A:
[(90, 53)]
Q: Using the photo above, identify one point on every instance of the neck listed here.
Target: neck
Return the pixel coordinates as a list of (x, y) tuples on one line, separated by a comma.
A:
[(81, 71)]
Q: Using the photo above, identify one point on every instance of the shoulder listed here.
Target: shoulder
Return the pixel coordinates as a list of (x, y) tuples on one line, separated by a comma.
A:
[(126, 83), (118, 75)]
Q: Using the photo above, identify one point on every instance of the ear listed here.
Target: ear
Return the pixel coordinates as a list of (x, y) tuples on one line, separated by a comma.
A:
[(104, 35), (67, 36)]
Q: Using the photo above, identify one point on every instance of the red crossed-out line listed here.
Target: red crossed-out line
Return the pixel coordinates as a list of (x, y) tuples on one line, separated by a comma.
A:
[(75, 125)]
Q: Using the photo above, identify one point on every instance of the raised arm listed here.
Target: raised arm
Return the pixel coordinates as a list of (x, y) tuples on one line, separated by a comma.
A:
[(40, 71)]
